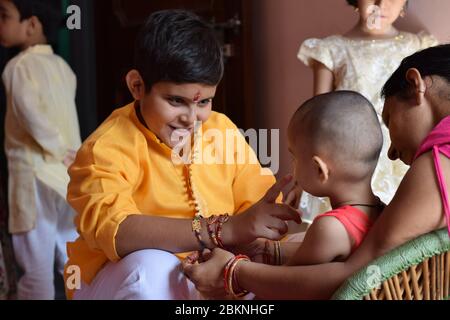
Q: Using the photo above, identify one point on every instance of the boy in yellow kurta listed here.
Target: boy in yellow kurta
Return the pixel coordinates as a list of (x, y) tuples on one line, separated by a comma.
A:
[(143, 191)]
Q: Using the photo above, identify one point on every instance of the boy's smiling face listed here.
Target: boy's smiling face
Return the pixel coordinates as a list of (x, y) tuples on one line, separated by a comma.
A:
[(171, 110), (13, 32)]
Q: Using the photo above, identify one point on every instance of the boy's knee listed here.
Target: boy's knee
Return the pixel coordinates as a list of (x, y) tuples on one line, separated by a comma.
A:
[(150, 274), (153, 261)]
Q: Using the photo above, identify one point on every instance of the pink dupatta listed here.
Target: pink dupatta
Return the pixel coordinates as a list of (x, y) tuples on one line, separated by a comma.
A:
[(439, 142)]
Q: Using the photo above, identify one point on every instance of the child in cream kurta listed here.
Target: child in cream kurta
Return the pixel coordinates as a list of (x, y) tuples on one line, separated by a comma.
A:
[(364, 66), (41, 130)]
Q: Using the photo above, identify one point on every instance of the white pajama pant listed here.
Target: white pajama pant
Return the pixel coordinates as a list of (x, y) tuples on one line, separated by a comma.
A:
[(142, 275), (145, 275), (39, 250)]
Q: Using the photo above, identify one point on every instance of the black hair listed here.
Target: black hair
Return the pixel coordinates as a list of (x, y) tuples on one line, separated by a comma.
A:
[(178, 46), (47, 11), (433, 61)]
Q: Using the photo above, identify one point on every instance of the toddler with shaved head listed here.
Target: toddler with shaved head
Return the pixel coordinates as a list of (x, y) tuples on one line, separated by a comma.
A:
[(336, 140)]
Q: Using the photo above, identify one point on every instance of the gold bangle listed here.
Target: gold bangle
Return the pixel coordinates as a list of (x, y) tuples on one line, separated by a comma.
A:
[(197, 229), (280, 262), (277, 253), (231, 278)]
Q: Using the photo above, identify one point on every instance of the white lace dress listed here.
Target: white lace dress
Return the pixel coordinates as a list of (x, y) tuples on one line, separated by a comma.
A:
[(364, 66)]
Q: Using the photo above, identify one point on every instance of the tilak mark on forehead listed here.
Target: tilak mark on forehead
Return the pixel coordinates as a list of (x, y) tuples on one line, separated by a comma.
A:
[(197, 97)]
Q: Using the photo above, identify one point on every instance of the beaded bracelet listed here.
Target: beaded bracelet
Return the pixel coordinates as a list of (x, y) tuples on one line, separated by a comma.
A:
[(211, 223), (215, 225), (222, 220)]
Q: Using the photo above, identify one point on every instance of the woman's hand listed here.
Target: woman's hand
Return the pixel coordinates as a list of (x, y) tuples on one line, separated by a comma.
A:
[(266, 219), (208, 276)]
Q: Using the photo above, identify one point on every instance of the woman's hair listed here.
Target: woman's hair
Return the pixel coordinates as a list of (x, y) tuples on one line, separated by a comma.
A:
[(178, 46), (434, 61), (48, 12)]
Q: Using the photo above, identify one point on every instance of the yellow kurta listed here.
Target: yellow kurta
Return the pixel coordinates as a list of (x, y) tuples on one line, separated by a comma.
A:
[(123, 169)]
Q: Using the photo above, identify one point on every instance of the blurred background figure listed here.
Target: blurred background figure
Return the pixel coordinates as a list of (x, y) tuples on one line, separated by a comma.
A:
[(41, 139), (362, 60)]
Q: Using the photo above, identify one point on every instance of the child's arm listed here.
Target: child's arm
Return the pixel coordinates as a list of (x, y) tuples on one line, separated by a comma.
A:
[(257, 249), (323, 79), (326, 241), (138, 232), (266, 281)]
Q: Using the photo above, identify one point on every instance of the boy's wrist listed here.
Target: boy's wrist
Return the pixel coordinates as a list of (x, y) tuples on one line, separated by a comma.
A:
[(217, 233), (228, 233), (205, 235)]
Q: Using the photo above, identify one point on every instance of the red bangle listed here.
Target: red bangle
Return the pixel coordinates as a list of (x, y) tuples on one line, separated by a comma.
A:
[(226, 270), (229, 276)]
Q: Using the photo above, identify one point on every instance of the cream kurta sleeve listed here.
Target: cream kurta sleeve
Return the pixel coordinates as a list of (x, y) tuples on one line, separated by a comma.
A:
[(31, 112)]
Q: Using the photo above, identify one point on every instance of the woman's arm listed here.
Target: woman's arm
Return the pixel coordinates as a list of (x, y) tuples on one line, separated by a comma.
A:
[(266, 281), (416, 210), (323, 79)]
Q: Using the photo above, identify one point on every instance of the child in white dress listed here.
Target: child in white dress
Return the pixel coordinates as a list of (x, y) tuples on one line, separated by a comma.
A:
[(362, 60)]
